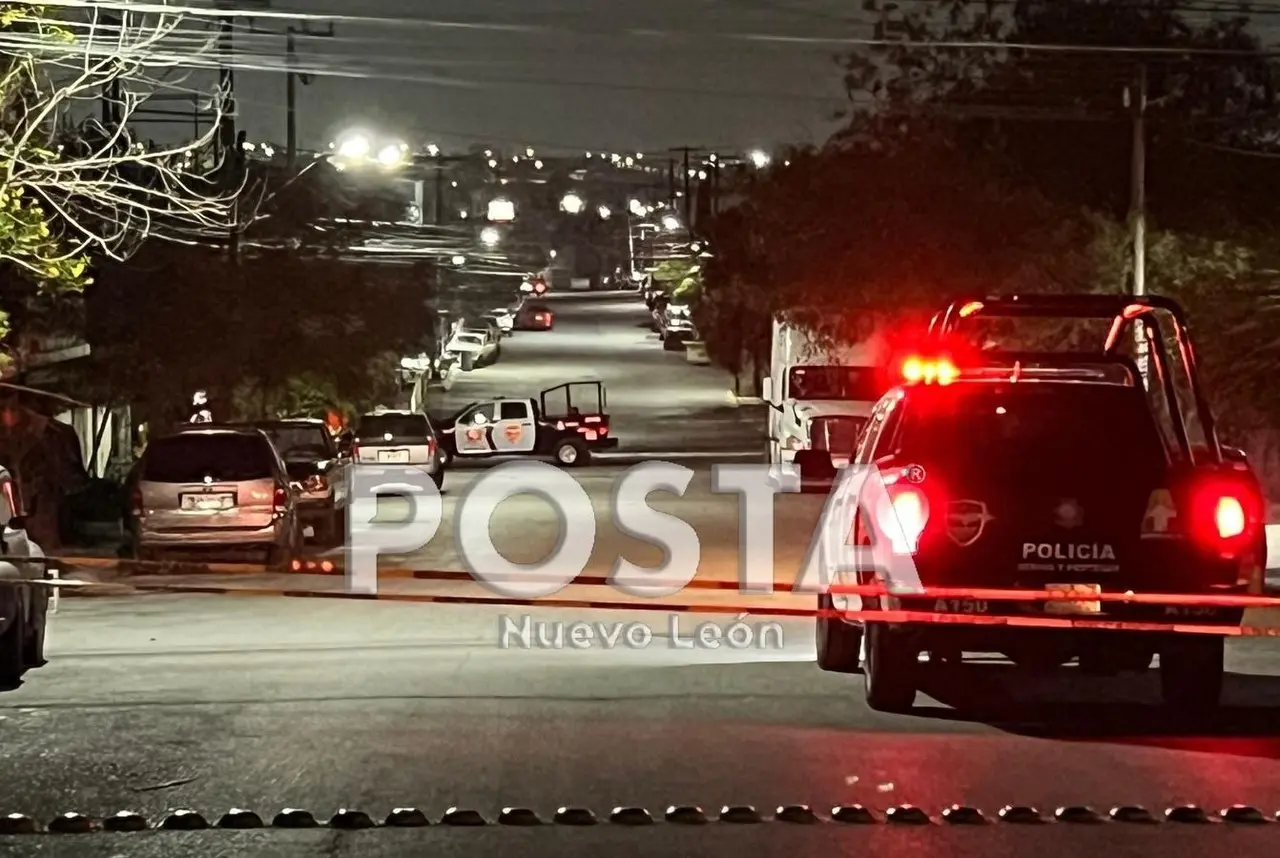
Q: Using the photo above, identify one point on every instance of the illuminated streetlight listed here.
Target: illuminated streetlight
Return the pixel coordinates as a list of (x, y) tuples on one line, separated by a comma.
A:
[(760, 159), (392, 155), (490, 236), (572, 203), (355, 146), (553, 254), (636, 208), (671, 223), (433, 150), (604, 212), (459, 260)]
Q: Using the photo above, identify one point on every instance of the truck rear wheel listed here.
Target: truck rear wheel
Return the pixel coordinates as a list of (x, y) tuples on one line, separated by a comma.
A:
[(572, 453), (890, 675), (839, 644), (13, 656)]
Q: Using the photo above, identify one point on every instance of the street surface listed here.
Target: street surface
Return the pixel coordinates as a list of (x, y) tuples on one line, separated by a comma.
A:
[(659, 402), (154, 702)]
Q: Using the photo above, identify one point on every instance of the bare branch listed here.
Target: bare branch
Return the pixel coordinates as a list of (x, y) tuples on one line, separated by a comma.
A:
[(105, 190)]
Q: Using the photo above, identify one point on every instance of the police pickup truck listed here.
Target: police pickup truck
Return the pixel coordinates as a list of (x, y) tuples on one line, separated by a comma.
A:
[(567, 422), (1053, 473)]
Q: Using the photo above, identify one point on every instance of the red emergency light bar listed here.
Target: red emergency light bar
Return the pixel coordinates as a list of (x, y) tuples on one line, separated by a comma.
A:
[(939, 370)]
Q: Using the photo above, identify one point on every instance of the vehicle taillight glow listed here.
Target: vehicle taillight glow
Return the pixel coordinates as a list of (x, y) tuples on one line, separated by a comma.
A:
[(431, 447), (281, 499), (906, 521), (135, 503), (1225, 515), (1229, 517)]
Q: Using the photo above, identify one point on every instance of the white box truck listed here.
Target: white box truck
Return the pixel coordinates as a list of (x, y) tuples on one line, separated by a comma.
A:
[(820, 398)]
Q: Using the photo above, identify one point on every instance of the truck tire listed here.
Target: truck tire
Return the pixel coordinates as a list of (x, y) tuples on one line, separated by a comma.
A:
[(1191, 673), (891, 672), (839, 644), (13, 660), (572, 453)]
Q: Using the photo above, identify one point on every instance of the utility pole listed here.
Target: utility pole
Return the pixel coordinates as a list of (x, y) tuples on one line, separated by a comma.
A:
[(1137, 99), (293, 77), (1136, 96), (111, 106), (227, 92), (671, 181), (686, 152)]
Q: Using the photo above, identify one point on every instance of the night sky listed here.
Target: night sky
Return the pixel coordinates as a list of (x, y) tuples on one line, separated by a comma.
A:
[(559, 75), (581, 78)]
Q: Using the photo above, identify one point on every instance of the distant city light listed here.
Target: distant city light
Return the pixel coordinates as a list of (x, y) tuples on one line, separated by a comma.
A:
[(671, 223), (459, 260), (433, 150), (604, 212), (492, 163), (760, 159), (553, 254), (537, 165), (636, 208), (502, 210), (572, 203), (529, 152), (490, 236)]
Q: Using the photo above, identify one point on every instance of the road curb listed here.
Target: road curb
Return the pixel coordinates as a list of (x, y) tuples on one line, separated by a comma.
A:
[(738, 401)]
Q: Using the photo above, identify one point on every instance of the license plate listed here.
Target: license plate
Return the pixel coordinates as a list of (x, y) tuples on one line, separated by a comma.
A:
[(208, 503), (592, 435), (1074, 606), (393, 456)]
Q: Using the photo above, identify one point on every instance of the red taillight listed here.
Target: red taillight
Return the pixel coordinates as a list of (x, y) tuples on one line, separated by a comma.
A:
[(355, 451), (539, 317), (281, 499), (905, 522), (1230, 518), (135, 502), (1225, 515), (431, 447)]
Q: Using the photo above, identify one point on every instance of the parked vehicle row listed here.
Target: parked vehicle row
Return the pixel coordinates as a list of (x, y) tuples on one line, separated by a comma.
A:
[(672, 318)]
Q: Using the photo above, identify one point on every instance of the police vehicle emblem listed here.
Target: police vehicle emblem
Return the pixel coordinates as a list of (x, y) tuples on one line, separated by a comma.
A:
[(966, 519), (1068, 514)]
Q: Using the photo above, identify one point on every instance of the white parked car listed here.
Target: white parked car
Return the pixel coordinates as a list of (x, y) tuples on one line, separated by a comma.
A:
[(474, 348), (503, 317)]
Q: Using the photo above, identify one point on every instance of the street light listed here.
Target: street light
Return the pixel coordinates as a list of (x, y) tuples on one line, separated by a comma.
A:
[(392, 155), (604, 212), (671, 223), (572, 203), (459, 260), (490, 236), (355, 146), (637, 208), (760, 159)]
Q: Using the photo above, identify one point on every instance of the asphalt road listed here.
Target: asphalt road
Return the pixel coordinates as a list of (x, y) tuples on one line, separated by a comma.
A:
[(156, 702), (658, 400)]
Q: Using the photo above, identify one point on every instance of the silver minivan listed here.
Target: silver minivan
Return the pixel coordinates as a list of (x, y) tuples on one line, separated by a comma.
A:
[(399, 438), (216, 493)]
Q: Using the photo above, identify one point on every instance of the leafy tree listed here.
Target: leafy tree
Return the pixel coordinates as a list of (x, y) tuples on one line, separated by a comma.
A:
[(73, 189), (276, 331)]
